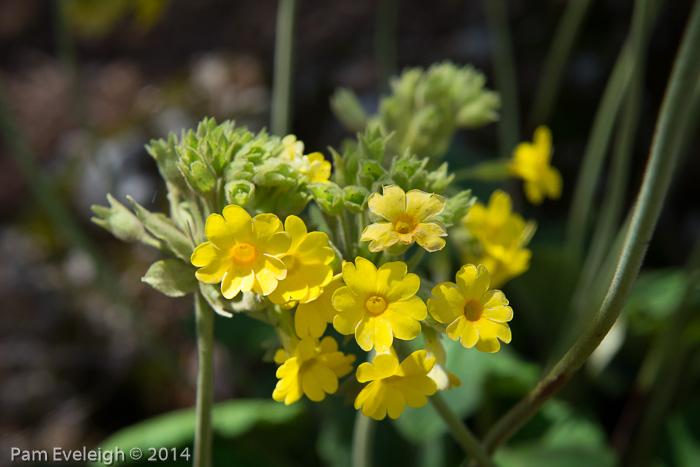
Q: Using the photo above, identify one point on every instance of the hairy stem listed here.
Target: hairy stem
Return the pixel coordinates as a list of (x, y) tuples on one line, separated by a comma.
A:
[(204, 317)]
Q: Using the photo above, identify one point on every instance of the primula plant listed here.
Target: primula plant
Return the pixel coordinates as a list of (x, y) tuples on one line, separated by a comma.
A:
[(350, 255), (319, 251)]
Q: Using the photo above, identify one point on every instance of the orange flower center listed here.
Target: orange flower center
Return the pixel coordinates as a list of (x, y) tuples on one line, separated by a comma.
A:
[(405, 224), (473, 310), (244, 253), (375, 305)]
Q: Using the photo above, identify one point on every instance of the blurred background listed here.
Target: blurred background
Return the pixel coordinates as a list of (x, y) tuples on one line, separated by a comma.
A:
[(87, 349)]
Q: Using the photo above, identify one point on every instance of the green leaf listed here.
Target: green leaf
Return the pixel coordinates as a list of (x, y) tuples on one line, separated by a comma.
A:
[(328, 196), (175, 429), (686, 448), (163, 228), (570, 441), (121, 222), (171, 277)]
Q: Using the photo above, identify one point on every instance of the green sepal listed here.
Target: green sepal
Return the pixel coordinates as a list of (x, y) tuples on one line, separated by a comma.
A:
[(199, 177), (162, 227), (171, 277), (122, 223), (456, 208), (239, 192), (328, 196), (347, 108), (354, 198)]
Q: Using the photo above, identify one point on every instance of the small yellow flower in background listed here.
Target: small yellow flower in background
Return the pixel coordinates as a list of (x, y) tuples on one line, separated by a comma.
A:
[(293, 149), (474, 314), (502, 263), (502, 236), (531, 162), (316, 168), (313, 370), (444, 379), (392, 386), (307, 261), (242, 252), (407, 214), (378, 304), (312, 317)]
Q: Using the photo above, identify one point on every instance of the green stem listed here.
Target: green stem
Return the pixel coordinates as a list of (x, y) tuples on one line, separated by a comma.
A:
[(603, 125), (663, 159), (385, 33), (204, 317), (553, 69), (609, 220), (362, 441), (487, 171), (284, 65), (505, 75), (459, 431), (415, 258)]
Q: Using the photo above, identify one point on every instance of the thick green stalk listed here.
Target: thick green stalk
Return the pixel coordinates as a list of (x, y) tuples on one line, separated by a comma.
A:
[(284, 66), (608, 222), (657, 178), (603, 125), (459, 431), (505, 75), (204, 317), (362, 441), (385, 36), (553, 69)]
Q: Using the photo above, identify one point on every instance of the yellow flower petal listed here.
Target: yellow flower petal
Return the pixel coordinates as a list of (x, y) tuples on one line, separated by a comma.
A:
[(402, 326), (213, 273), (204, 255), (412, 307), (381, 234), (389, 205), (422, 206), (448, 305), (473, 281), (428, 236)]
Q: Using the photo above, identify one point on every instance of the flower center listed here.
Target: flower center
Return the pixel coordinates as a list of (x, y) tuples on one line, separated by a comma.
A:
[(244, 253), (375, 305), (405, 225), (473, 310)]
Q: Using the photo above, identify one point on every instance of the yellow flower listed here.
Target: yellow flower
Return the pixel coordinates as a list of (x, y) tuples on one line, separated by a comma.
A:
[(474, 314), (293, 149), (308, 264), (316, 168), (502, 235), (502, 263), (310, 318), (378, 305), (407, 214), (242, 252), (394, 386), (444, 379), (313, 370), (531, 162)]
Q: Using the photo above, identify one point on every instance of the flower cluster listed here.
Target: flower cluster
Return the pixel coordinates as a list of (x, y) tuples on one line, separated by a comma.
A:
[(499, 238), (244, 235)]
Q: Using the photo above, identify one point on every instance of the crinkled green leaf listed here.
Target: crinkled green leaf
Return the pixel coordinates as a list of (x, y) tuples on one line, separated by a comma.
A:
[(328, 196), (163, 228), (171, 277)]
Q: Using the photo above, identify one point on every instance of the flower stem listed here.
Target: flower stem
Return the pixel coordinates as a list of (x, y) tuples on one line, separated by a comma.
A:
[(362, 441), (284, 65), (603, 124), (204, 317), (553, 69), (663, 159), (504, 69), (459, 431)]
